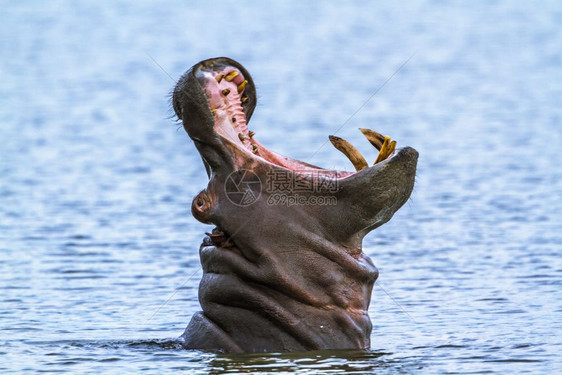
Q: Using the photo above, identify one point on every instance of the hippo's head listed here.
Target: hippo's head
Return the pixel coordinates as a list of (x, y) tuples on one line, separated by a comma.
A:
[(283, 269)]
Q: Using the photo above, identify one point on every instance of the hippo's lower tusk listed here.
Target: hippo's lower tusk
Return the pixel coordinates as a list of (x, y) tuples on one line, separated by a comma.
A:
[(376, 139), (351, 152), (384, 151)]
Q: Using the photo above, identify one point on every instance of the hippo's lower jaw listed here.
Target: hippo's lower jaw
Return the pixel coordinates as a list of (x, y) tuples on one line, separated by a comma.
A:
[(281, 273)]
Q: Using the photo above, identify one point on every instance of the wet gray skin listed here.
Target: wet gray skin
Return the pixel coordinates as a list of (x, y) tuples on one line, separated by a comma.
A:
[(279, 277)]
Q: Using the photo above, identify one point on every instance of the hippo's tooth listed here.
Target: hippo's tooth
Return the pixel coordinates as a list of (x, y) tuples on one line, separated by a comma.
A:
[(230, 76), (351, 152), (213, 111), (380, 142), (241, 86), (219, 77), (242, 137), (255, 149), (376, 139), (391, 148), (225, 92), (244, 99), (384, 151), (219, 238), (251, 133)]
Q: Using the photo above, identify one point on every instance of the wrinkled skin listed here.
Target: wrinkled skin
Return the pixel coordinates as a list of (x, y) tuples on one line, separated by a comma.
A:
[(276, 277)]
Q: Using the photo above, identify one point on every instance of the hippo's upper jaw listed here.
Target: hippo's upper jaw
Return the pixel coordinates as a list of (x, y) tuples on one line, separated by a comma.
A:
[(279, 276)]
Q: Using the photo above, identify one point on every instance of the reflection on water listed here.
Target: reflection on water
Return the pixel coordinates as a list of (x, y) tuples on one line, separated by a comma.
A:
[(98, 250), (330, 361)]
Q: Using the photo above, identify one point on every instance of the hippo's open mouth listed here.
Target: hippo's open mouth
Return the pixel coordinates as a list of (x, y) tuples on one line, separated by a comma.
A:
[(231, 98), (278, 276)]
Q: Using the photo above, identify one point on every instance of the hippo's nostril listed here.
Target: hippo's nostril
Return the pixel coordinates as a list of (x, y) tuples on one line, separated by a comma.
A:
[(201, 206)]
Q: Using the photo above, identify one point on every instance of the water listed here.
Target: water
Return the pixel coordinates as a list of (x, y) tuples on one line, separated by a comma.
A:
[(98, 250)]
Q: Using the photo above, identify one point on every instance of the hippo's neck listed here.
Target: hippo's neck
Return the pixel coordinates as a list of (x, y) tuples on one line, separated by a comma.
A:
[(310, 296)]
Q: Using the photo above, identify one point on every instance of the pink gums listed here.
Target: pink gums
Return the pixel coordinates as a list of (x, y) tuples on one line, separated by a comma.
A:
[(230, 119)]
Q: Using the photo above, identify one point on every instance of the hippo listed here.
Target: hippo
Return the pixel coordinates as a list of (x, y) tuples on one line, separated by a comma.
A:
[(283, 268)]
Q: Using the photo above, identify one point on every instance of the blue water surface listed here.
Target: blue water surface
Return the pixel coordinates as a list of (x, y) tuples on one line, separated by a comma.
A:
[(99, 266)]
